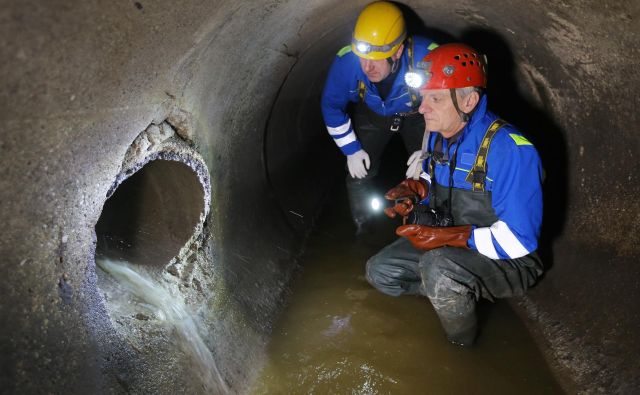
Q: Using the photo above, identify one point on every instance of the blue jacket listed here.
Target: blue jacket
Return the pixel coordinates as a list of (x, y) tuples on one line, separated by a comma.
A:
[(514, 177), (341, 88)]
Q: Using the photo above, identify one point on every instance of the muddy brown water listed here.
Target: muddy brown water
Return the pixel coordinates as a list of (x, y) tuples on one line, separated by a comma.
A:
[(339, 335)]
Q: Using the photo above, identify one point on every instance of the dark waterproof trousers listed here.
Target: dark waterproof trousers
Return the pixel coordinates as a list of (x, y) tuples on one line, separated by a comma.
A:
[(374, 134), (453, 279)]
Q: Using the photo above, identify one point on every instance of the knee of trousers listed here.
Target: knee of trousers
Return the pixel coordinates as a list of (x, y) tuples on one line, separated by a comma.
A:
[(358, 184), (379, 277), (442, 289), (372, 272)]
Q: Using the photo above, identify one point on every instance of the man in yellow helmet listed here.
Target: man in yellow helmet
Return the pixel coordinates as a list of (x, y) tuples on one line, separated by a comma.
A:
[(370, 72)]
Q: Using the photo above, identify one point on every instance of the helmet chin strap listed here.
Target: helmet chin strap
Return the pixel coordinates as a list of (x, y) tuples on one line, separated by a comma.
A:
[(394, 64), (463, 115)]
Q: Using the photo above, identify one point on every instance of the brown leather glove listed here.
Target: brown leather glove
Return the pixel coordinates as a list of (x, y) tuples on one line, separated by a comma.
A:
[(407, 190), (429, 237)]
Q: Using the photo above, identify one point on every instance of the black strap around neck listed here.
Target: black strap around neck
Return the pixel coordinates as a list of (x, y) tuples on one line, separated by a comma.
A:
[(437, 155)]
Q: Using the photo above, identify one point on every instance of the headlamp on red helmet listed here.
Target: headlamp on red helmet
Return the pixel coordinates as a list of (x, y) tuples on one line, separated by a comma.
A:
[(449, 66), (419, 75)]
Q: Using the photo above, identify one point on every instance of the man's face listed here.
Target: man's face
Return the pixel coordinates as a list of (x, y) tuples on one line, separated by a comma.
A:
[(376, 70), (439, 113)]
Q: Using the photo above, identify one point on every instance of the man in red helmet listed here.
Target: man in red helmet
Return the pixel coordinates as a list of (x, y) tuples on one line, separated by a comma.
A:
[(472, 205)]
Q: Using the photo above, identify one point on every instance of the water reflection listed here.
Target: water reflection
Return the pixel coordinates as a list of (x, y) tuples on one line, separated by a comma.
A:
[(340, 336)]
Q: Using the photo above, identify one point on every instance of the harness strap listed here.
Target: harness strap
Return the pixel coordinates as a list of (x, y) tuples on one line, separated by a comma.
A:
[(478, 172), (362, 88), (415, 102)]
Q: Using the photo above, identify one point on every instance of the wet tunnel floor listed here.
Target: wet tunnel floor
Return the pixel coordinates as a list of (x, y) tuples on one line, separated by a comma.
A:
[(339, 335)]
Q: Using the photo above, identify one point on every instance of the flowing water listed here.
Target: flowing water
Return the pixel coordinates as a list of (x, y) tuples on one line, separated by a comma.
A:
[(172, 311), (339, 335)]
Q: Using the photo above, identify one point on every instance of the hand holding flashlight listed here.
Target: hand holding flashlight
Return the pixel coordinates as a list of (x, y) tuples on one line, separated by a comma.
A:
[(405, 195)]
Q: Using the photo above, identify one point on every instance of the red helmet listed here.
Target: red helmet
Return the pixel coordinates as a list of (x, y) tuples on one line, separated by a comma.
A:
[(453, 66)]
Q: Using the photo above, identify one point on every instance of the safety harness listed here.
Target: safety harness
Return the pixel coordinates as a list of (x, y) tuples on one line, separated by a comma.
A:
[(478, 173)]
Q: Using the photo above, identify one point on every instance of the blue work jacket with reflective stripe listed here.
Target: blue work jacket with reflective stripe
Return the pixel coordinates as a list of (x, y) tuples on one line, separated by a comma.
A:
[(514, 178), (341, 88)]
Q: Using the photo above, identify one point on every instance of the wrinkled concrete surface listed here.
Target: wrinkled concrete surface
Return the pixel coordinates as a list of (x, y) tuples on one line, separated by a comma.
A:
[(81, 80)]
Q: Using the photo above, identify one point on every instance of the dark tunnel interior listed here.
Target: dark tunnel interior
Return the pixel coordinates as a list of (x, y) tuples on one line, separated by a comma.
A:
[(297, 105), (237, 86), (518, 94)]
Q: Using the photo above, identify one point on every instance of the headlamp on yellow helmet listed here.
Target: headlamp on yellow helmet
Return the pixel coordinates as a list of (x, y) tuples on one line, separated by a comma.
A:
[(379, 31)]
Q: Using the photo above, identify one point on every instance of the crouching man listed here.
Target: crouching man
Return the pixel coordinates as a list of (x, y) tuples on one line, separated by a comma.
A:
[(472, 205)]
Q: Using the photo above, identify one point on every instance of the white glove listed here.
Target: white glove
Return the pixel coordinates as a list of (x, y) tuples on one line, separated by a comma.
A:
[(415, 165), (358, 164)]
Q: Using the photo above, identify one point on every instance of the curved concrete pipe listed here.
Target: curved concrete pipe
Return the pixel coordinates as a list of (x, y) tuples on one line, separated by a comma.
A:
[(238, 83)]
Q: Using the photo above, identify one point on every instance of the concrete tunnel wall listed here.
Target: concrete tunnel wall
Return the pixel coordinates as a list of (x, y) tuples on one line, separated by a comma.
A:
[(86, 86)]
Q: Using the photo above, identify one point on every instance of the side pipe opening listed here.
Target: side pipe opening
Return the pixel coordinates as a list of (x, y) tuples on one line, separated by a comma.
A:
[(151, 215)]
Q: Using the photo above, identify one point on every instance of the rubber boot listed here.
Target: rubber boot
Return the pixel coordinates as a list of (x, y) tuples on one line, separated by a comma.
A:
[(358, 191), (459, 327)]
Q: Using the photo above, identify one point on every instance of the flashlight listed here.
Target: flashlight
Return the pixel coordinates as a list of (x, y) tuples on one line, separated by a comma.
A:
[(378, 204)]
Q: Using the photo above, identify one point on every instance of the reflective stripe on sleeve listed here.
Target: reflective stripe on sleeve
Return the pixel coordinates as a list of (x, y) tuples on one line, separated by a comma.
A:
[(507, 240), (484, 243), (349, 138), (342, 129)]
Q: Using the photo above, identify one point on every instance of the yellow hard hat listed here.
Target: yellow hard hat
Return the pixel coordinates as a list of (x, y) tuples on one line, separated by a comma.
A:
[(379, 31)]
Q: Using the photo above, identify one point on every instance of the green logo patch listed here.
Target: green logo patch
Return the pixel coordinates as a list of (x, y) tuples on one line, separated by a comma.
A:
[(520, 140), (344, 50)]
